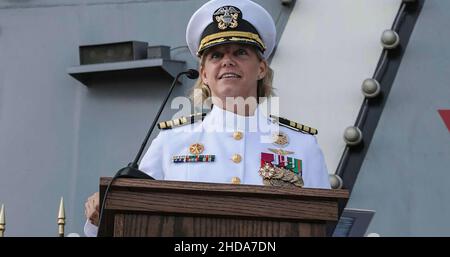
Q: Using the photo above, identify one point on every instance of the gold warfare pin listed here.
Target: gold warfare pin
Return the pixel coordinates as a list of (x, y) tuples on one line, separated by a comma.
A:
[(196, 148)]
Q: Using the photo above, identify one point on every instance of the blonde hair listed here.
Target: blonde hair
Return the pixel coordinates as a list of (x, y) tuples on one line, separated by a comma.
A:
[(200, 94)]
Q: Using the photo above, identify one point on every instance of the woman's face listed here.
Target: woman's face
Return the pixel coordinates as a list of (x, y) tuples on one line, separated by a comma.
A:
[(232, 70)]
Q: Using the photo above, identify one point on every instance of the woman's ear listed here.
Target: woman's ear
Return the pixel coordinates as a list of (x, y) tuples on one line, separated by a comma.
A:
[(203, 75), (262, 69)]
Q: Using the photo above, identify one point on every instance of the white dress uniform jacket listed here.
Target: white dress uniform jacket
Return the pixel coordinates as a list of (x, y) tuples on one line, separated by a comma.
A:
[(237, 143)]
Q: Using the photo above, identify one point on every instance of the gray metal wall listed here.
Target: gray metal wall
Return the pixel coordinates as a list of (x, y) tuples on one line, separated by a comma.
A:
[(327, 50), (405, 175), (57, 137)]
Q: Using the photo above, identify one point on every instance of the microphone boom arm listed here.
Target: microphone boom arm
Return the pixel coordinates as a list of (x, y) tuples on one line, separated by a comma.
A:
[(134, 164)]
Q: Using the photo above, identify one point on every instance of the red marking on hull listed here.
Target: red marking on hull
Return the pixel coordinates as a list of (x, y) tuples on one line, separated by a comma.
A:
[(445, 114)]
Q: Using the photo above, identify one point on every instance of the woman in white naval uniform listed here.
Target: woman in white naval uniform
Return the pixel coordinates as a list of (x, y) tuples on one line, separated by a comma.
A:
[(231, 144), (237, 148)]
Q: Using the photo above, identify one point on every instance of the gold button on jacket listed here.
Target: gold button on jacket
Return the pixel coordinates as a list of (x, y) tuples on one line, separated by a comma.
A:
[(237, 135), (236, 158), (236, 180)]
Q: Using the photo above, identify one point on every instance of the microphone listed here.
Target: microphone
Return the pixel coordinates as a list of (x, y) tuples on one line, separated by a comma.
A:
[(132, 170), (192, 74)]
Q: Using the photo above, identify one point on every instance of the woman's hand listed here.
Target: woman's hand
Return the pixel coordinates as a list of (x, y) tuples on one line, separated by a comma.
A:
[(91, 208)]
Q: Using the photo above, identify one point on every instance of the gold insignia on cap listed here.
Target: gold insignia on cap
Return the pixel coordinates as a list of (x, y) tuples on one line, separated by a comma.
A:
[(280, 139), (196, 148), (227, 17)]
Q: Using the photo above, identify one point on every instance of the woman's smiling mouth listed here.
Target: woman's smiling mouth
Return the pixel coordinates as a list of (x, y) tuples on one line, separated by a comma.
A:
[(228, 75)]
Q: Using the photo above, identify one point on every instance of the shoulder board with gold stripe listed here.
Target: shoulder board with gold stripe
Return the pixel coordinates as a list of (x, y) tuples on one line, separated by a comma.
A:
[(294, 125), (181, 121)]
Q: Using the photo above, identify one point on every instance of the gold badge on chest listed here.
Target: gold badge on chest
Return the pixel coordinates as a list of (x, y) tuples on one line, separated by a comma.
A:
[(280, 139), (281, 151), (196, 148)]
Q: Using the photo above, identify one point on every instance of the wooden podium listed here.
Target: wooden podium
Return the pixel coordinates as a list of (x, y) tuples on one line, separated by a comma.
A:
[(136, 207)]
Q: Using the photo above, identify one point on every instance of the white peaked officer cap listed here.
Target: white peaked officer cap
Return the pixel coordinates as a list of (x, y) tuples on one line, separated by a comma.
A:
[(231, 21)]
